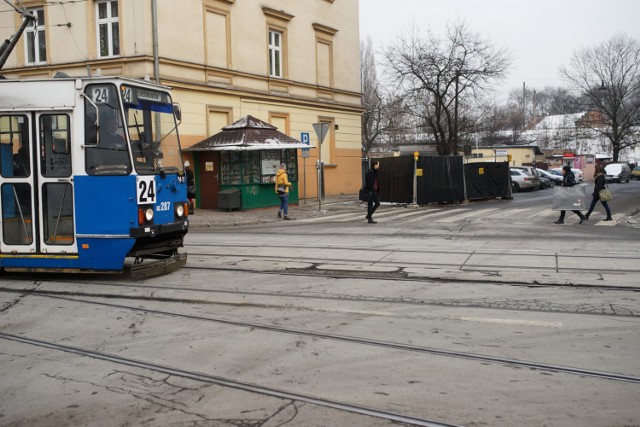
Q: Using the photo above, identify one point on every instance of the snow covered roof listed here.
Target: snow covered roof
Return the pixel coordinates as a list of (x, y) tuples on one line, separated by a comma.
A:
[(248, 134), (560, 121)]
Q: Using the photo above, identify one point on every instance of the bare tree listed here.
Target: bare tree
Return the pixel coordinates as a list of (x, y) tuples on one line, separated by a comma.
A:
[(372, 118), (444, 76), (608, 76), (400, 126), (557, 100)]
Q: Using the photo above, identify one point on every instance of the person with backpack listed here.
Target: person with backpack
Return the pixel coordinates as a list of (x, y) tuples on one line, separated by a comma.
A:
[(282, 189)]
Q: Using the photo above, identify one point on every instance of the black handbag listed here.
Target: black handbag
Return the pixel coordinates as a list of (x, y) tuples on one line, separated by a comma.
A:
[(364, 195)]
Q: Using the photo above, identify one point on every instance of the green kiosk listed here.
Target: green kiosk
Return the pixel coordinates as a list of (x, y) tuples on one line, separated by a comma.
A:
[(250, 152)]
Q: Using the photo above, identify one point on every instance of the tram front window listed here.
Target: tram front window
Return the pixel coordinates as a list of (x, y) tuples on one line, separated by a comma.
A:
[(105, 139), (153, 130)]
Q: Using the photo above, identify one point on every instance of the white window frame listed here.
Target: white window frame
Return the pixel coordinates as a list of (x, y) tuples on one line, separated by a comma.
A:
[(109, 21), (275, 53), (34, 31)]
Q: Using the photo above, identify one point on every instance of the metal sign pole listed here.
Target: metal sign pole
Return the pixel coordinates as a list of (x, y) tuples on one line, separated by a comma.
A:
[(304, 137), (321, 131)]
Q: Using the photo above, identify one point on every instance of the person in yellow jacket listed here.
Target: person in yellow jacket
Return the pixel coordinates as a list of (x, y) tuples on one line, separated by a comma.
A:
[(282, 189)]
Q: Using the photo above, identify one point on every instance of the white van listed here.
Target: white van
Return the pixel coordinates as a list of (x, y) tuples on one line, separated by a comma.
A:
[(617, 172)]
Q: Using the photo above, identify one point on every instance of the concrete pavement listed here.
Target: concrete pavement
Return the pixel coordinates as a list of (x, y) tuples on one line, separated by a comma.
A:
[(476, 264), (332, 205), (206, 218)]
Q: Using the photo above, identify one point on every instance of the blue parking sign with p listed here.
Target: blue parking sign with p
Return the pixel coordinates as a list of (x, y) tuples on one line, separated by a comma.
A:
[(304, 138)]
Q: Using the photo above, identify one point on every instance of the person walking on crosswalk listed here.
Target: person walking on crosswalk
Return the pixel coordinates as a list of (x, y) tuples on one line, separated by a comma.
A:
[(600, 184), (569, 180), (372, 185)]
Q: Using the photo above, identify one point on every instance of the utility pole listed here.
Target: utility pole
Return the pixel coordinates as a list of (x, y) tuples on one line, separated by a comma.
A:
[(524, 106)]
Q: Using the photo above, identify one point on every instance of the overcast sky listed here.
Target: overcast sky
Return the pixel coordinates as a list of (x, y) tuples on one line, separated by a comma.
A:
[(542, 35)]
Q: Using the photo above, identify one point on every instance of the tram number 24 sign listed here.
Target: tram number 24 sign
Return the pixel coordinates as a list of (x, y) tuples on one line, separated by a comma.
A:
[(146, 189)]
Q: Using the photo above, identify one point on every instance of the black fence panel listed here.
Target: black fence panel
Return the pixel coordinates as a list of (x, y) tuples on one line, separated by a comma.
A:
[(487, 180), (395, 176), (442, 179)]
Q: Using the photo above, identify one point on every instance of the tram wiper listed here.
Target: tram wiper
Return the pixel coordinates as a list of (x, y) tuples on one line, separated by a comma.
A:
[(144, 145)]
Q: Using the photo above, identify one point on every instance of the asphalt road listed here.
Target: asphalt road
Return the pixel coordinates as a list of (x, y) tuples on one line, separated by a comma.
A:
[(480, 314)]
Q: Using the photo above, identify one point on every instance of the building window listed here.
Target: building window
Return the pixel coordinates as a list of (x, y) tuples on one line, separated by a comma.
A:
[(324, 54), (36, 48), (275, 53), (108, 26)]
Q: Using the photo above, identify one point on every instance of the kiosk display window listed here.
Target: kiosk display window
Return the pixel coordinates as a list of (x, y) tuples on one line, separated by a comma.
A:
[(255, 167)]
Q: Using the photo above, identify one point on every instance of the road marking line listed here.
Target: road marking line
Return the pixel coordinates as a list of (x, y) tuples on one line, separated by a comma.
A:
[(513, 322)]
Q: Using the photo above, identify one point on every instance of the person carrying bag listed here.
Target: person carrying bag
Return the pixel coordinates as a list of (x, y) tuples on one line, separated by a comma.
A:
[(372, 188), (573, 196), (601, 193), (282, 190)]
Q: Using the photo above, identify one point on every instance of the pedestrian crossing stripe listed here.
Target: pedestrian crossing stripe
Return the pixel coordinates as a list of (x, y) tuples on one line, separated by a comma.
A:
[(451, 215), (455, 218)]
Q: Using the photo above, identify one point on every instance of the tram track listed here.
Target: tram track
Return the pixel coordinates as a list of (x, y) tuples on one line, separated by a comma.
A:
[(400, 276), (519, 305), (229, 383), (510, 362), (374, 253)]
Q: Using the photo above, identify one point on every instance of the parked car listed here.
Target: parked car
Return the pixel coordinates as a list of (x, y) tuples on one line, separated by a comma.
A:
[(545, 182), (556, 178), (521, 180), (533, 171), (635, 173), (577, 172), (617, 172)]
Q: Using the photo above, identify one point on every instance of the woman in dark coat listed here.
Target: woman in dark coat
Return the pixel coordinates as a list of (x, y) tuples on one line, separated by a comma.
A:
[(372, 185), (569, 180), (599, 185)]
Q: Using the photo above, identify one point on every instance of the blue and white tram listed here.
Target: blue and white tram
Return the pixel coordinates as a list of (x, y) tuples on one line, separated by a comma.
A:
[(91, 176)]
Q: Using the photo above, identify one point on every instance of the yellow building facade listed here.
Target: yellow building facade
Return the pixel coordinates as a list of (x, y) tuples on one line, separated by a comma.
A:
[(513, 154), (288, 63)]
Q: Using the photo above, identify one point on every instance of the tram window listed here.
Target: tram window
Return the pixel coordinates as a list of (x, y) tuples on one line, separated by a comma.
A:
[(58, 213), (152, 128), (14, 146), (55, 139), (106, 148), (16, 214)]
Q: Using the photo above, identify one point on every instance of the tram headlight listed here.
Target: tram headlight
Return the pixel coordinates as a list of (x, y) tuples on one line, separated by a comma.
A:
[(179, 210), (145, 215)]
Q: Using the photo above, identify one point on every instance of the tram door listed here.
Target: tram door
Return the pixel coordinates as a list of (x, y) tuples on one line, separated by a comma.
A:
[(16, 192), (37, 189), (56, 225)]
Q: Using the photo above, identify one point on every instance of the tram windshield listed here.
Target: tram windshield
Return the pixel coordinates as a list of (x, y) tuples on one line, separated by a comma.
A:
[(143, 125), (106, 151), (153, 130)]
